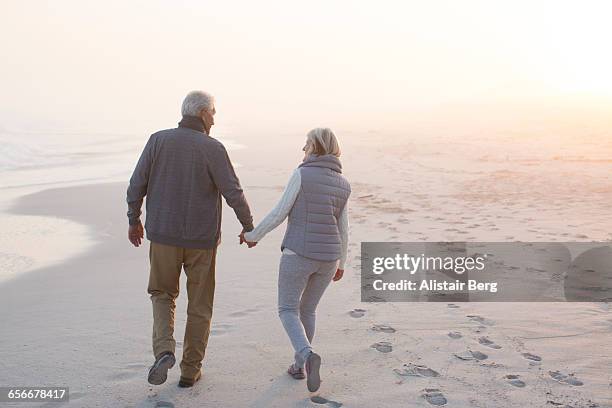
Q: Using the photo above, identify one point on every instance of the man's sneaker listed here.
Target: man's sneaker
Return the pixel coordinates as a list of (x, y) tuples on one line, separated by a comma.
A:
[(313, 364), (185, 382), (158, 373)]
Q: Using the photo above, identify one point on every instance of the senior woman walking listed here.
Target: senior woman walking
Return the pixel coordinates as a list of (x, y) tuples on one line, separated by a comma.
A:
[(314, 247)]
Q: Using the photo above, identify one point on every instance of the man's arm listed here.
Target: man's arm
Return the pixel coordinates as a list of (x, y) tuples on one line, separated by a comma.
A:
[(227, 182), (138, 183)]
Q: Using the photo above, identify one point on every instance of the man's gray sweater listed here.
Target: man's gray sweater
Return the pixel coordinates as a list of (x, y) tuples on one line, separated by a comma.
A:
[(183, 172)]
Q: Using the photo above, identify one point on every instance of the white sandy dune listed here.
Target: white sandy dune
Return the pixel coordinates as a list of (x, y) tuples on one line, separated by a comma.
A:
[(86, 323)]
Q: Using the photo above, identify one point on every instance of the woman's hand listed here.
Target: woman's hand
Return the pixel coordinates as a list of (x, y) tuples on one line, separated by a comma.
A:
[(338, 275), (243, 240)]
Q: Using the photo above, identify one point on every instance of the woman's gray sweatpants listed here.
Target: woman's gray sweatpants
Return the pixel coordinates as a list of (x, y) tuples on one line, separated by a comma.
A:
[(301, 283)]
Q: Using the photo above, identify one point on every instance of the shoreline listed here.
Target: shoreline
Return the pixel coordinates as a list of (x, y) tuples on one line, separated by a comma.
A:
[(35, 241), (71, 236)]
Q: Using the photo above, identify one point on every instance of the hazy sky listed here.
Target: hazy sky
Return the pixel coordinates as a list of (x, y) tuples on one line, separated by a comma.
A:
[(126, 65)]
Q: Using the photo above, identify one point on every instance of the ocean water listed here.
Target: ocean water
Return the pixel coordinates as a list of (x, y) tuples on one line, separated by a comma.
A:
[(43, 159), (35, 161)]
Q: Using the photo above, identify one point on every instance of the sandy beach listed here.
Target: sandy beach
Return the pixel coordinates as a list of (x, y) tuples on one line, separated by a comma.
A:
[(86, 322)]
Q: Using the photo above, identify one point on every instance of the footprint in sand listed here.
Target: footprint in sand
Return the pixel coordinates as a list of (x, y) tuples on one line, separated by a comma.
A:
[(532, 357), (455, 335), (471, 355), (478, 355), (221, 328), (320, 400), (434, 396), (565, 378), (559, 404), (481, 320), (130, 371), (452, 306), (486, 342), (383, 346), (513, 379), (125, 375), (357, 313), (383, 328), (416, 370), (373, 298), (245, 312)]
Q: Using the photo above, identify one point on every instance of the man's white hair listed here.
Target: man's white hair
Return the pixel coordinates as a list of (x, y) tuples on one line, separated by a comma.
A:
[(195, 101)]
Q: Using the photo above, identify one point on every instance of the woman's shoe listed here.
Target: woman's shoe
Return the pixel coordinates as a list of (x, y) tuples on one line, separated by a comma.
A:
[(313, 364), (296, 373)]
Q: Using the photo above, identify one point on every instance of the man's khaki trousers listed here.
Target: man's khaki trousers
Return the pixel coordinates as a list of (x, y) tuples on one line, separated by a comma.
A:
[(166, 264)]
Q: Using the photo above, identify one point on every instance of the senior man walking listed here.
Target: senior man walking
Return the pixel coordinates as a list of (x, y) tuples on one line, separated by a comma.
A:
[(183, 172)]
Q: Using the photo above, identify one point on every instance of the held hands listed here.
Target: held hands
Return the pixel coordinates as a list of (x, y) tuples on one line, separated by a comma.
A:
[(243, 240), (136, 234), (338, 275)]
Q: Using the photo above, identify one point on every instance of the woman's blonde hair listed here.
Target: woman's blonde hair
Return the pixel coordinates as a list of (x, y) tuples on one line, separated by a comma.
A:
[(320, 141)]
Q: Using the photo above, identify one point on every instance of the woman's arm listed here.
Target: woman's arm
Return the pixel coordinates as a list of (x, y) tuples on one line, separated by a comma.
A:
[(278, 214), (343, 227)]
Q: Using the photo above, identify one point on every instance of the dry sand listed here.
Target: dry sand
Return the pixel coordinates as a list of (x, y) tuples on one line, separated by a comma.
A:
[(86, 323)]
